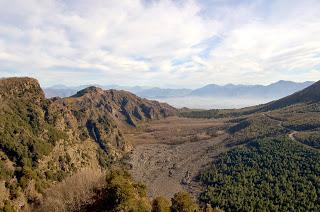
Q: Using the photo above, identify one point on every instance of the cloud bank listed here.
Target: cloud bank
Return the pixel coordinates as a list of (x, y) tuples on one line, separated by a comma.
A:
[(161, 43)]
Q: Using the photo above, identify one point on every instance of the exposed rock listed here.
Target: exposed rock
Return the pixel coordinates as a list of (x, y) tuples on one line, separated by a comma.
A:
[(56, 137), (25, 87)]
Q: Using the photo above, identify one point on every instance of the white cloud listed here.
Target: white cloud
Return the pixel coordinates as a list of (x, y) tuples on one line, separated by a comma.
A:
[(263, 49), (133, 42)]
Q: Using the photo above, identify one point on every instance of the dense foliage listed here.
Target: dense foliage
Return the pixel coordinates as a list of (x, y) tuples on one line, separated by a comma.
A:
[(182, 202), (276, 174), (121, 193), (160, 204), (25, 137), (19, 134)]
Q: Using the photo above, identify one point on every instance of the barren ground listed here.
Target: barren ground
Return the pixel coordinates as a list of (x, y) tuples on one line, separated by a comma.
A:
[(169, 153)]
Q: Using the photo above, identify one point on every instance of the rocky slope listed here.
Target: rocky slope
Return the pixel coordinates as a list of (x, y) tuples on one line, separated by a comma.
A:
[(44, 140)]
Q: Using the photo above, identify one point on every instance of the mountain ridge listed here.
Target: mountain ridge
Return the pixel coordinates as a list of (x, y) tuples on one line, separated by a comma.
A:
[(311, 94), (275, 90), (24, 87), (42, 141)]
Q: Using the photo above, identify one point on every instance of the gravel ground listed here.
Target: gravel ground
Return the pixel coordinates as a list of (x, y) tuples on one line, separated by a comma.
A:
[(169, 168)]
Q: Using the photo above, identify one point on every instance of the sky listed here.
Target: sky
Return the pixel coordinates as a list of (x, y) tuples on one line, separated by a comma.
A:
[(164, 43)]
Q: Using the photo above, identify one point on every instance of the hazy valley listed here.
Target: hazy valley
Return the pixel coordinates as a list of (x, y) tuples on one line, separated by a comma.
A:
[(211, 96)]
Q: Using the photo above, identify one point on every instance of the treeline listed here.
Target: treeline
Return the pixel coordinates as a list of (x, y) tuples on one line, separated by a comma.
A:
[(219, 113), (304, 118), (216, 113)]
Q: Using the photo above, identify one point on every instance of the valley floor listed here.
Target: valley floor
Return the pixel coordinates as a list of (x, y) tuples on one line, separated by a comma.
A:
[(169, 153)]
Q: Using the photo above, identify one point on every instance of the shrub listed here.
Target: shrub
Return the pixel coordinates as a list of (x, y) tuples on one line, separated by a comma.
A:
[(7, 208), (5, 173), (123, 194), (160, 204), (120, 193), (183, 202)]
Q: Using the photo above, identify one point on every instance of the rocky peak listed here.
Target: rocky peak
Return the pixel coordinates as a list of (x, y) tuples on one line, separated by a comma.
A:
[(21, 87), (92, 90)]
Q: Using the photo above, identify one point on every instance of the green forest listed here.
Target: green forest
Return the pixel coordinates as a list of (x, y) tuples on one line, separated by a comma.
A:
[(273, 174), (267, 169)]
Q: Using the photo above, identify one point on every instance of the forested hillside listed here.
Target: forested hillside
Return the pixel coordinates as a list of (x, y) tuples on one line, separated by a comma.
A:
[(275, 174), (274, 164)]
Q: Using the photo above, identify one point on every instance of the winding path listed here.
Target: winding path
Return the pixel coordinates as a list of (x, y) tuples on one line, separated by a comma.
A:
[(291, 133)]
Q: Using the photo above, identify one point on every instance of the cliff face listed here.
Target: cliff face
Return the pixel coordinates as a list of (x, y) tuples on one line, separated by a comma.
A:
[(102, 114), (121, 105), (21, 88), (44, 140)]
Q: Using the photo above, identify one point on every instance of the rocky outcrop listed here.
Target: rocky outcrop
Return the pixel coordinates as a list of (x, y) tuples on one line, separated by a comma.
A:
[(48, 139), (103, 114), (24, 87)]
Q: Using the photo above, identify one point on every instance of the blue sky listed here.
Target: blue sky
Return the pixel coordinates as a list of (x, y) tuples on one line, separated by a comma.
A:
[(161, 42)]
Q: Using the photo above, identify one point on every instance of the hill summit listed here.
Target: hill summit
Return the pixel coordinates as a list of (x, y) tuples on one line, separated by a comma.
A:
[(23, 87)]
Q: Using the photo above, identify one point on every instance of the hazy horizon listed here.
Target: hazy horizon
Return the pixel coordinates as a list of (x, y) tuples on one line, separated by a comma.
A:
[(163, 87), (234, 97), (206, 103)]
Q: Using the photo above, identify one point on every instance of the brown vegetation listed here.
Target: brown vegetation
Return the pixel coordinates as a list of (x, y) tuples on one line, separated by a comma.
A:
[(73, 192)]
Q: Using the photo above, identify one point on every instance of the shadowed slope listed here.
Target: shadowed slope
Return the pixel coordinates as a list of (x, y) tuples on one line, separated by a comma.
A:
[(310, 94)]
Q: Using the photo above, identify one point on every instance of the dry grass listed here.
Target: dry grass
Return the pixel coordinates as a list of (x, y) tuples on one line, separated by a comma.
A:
[(72, 193), (4, 193)]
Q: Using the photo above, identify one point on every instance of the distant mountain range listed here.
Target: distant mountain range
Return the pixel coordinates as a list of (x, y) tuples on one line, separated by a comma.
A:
[(272, 91), (310, 94), (275, 90)]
